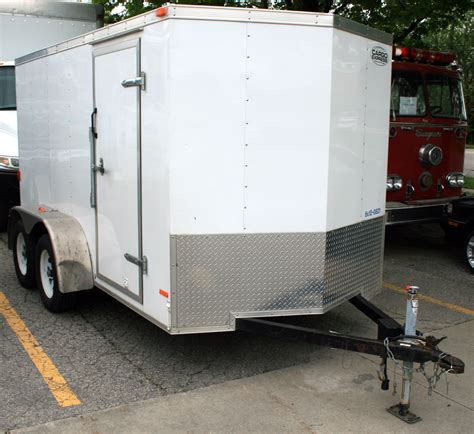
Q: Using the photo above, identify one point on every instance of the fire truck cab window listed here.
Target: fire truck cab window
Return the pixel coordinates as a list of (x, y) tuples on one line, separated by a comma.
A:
[(7, 88), (445, 97), (408, 97)]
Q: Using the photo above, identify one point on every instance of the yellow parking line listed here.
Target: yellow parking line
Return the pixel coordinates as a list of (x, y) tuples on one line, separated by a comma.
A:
[(52, 377), (433, 300)]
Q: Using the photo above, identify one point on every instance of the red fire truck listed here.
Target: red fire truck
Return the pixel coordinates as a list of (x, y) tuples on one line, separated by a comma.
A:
[(428, 132)]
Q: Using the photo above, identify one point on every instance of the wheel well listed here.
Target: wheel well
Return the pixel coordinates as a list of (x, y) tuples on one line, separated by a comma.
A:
[(13, 218), (38, 229), (70, 247)]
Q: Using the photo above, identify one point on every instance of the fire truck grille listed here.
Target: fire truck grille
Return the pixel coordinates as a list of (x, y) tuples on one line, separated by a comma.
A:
[(220, 277)]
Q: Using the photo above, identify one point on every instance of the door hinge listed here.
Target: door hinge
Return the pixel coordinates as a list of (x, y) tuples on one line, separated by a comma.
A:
[(142, 263), (137, 81)]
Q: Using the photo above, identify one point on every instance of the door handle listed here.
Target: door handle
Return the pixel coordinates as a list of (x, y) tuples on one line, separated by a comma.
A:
[(100, 167), (137, 81), (93, 129)]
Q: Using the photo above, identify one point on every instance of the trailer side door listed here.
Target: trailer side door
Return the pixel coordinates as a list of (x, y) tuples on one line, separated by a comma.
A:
[(118, 84)]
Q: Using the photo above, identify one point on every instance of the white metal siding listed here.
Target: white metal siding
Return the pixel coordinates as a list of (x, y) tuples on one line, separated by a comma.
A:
[(346, 144), (359, 132), (207, 101), (155, 170), (249, 127), (377, 124), (33, 133), (55, 101), (287, 128)]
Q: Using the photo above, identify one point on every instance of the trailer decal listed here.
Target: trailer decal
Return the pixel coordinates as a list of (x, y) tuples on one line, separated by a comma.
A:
[(379, 56), (372, 212)]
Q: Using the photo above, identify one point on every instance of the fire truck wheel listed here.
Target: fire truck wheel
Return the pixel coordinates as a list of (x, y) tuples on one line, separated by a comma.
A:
[(469, 251), (23, 256), (46, 278)]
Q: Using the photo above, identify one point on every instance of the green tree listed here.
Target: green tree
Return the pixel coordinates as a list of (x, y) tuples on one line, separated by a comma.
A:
[(459, 39), (406, 19)]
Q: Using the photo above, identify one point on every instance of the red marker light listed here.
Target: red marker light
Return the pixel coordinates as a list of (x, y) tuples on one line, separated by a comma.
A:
[(18, 175), (424, 56)]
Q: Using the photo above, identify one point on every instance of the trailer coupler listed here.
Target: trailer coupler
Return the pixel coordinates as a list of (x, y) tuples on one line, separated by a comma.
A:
[(403, 345)]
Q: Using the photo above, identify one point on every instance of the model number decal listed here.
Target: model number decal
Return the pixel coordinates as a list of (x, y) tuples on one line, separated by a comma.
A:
[(372, 212)]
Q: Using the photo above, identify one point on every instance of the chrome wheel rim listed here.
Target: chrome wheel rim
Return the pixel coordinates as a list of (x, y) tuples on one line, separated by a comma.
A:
[(21, 256), (470, 251), (46, 273)]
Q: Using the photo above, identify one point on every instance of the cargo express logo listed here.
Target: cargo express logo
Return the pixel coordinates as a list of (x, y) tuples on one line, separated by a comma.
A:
[(379, 56)]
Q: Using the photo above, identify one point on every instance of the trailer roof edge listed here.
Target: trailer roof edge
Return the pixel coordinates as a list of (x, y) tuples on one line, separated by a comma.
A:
[(215, 13)]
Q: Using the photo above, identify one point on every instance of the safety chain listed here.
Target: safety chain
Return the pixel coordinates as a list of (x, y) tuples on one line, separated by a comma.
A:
[(432, 380), (438, 372)]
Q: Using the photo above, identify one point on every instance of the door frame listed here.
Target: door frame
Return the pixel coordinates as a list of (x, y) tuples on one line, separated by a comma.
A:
[(102, 48)]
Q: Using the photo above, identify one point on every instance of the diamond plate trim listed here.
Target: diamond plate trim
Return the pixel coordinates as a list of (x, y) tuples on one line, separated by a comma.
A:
[(354, 260), (220, 275)]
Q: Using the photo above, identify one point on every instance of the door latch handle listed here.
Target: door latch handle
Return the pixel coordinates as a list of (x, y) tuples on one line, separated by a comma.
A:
[(137, 81), (93, 119), (100, 167), (141, 262)]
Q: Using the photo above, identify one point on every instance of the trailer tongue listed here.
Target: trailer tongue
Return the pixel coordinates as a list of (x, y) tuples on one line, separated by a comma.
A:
[(394, 342)]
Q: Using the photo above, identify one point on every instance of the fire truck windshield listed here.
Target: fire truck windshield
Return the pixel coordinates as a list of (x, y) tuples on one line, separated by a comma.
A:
[(408, 96), (7, 88), (445, 97)]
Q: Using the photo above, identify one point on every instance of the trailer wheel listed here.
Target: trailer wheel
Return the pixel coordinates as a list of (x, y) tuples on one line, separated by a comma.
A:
[(469, 251), (47, 281), (23, 258)]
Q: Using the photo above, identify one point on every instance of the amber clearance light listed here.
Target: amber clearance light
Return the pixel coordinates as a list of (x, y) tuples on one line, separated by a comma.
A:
[(162, 11)]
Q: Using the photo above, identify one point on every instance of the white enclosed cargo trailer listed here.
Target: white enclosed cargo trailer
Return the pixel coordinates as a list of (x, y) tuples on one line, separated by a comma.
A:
[(202, 164)]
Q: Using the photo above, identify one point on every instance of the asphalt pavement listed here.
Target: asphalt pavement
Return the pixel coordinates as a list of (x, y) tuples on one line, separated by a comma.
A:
[(332, 394), (119, 364)]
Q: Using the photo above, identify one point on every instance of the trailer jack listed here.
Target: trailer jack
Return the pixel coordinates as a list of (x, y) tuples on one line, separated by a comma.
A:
[(405, 346)]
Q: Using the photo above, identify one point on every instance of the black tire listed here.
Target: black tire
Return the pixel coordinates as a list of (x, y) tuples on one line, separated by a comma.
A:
[(4, 209), (469, 251), (53, 300), (24, 272)]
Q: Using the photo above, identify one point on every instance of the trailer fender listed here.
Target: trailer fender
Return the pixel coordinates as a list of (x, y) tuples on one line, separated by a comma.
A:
[(71, 251)]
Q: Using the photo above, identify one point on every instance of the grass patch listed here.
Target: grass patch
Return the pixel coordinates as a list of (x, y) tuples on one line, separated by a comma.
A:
[(468, 182), (470, 145)]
